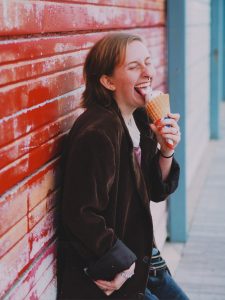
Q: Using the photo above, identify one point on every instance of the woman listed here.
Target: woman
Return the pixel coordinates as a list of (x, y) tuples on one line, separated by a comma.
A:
[(113, 168)]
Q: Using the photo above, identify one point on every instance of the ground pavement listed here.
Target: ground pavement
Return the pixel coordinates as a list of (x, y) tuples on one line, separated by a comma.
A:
[(199, 265)]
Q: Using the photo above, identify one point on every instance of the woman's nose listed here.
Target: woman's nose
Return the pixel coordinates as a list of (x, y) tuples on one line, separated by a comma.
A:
[(148, 71)]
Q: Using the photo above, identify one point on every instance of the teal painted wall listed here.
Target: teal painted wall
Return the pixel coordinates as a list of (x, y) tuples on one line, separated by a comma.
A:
[(216, 67), (223, 56), (177, 90)]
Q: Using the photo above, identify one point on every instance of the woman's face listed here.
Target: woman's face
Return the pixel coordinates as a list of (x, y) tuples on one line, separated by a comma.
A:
[(133, 78)]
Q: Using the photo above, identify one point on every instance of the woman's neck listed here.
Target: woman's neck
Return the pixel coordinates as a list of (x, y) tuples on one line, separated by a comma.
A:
[(127, 112)]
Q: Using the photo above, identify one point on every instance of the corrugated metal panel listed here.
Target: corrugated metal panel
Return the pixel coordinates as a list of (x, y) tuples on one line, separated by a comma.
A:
[(42, 48)]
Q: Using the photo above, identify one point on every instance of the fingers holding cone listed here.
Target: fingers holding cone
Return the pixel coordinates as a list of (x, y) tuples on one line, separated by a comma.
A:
[(164, 122)]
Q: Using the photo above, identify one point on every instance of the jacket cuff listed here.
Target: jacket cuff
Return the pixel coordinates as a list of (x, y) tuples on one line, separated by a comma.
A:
[(116, 260)]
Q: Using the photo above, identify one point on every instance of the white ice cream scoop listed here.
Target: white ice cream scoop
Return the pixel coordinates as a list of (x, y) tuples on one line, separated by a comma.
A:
[(152, 94)]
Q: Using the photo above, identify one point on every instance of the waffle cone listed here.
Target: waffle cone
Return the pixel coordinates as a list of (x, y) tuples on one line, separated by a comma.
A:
[(158, 107)]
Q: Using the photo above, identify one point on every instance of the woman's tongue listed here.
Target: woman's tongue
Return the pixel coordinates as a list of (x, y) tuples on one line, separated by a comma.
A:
[(143, 91)]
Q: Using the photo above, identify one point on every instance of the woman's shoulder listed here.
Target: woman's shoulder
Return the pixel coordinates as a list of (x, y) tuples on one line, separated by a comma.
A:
[(97, 121)]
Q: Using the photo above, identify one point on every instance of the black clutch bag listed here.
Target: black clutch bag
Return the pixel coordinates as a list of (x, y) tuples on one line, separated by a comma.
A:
[(116, 260)]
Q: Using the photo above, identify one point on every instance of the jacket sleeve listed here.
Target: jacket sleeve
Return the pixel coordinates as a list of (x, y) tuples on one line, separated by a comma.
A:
[(89, 176), (160, 189)]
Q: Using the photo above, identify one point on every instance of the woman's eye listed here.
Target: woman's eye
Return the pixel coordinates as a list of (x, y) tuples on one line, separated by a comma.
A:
[(132, 67)]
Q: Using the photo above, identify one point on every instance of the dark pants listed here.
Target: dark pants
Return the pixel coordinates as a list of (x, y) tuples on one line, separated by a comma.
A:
[(163, 287)]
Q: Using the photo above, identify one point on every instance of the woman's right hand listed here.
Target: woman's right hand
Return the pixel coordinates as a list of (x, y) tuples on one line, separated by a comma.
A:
[(108, 287)]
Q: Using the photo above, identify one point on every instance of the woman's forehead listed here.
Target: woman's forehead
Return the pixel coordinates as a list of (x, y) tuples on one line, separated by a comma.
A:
[(136, 50)]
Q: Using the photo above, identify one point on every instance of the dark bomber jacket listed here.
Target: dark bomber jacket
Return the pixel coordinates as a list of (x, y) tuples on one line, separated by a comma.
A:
[(105, 214)]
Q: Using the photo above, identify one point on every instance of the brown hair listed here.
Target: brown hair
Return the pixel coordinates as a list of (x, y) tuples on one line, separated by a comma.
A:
[(102, 59)]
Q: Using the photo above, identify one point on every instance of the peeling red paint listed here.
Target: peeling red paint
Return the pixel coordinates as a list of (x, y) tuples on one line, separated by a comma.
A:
[(20, 50), (15, 204), (29, 163), (30, 278), (58, 17), (38, 90), (14, 73), (29, 120)]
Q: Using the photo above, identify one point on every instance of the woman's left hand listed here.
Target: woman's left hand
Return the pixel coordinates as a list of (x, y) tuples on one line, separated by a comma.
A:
[(167, 129), (108, 287)]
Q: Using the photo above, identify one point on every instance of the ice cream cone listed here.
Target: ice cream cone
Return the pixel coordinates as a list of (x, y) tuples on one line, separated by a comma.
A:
[(158, 107)]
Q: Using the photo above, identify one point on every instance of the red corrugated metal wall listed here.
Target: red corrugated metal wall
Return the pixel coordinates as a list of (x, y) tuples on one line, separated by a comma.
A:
[(42, 48)]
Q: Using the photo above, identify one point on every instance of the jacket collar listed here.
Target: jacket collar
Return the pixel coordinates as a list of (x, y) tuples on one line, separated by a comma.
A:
[(142, 122)]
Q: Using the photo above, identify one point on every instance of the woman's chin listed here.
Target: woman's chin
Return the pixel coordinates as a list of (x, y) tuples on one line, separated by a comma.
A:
[(141, 102)]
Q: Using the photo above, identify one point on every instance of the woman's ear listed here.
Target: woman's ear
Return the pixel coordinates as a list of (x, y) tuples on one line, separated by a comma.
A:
[(106, 81)]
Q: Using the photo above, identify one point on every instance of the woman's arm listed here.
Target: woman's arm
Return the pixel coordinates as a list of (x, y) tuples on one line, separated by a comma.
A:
[(164, 130), (165, 165), (164, 170)]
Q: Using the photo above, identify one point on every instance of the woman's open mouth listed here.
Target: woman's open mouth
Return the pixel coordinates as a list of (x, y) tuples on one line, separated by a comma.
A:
[(143, 89)]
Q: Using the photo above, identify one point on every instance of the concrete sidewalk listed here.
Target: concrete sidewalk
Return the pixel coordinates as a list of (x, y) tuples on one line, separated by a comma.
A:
[(199, 265)]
